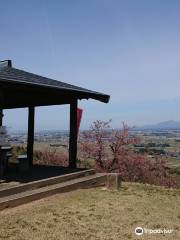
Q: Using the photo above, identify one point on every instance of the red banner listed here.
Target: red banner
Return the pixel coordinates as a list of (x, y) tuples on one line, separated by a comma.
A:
[(79, 116)]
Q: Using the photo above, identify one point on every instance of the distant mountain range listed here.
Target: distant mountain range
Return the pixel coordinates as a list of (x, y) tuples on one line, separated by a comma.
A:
[(171, 124)]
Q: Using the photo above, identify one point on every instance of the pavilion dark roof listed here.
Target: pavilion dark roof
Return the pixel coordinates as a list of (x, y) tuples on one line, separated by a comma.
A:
[(8, 74)]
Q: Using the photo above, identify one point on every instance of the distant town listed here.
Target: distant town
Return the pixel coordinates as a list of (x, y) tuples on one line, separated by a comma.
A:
[(163, 141)]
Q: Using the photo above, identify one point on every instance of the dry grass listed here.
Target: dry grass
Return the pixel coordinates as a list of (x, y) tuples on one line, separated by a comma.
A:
[(95, 214)]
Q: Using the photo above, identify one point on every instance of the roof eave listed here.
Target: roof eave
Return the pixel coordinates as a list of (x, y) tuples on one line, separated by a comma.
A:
[(103, 98), (96, 96)]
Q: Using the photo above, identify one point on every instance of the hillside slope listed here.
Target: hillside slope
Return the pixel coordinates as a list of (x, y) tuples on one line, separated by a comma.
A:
[(95, 214)]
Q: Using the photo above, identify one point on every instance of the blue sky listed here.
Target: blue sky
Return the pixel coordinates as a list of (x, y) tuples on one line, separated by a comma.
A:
[(128, 49)]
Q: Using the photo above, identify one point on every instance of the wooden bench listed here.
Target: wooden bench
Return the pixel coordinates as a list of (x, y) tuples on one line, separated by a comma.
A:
[(4, 152), (23, 162)]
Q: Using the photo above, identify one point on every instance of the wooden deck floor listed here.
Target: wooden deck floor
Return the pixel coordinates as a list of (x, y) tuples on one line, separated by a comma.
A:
[(15, 177)]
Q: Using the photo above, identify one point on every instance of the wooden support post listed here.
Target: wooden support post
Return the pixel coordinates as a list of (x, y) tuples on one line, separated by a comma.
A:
[(1, 123), (1, 162), (1, 117), (30, 142), (73, 135), (1, 105)]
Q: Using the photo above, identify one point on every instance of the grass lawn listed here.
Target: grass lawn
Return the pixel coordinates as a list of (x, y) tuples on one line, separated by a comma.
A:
[(95, 214)]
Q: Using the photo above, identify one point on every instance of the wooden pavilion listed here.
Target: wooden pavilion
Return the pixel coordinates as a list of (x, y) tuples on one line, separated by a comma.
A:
[(21, 89)]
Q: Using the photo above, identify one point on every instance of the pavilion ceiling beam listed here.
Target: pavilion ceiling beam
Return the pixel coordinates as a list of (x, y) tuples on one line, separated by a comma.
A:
[(44, 102)]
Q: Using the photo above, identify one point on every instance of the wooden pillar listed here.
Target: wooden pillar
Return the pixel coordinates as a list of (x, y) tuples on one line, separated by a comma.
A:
[(1, 117), (1, 161), (1, 123), (30, 141), (73, 135)]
